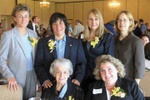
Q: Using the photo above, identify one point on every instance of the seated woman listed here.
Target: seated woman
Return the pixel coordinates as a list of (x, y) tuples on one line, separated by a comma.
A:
[(110, 84), (62, 88)]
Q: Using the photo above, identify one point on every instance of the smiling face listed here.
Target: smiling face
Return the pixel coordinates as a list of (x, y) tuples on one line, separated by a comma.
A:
[(93, 21), (61, 75), (123, 22), (108, 73), (22, 18), (59, 27)]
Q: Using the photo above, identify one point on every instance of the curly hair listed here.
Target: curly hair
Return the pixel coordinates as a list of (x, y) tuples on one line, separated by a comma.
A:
[(108, 58)]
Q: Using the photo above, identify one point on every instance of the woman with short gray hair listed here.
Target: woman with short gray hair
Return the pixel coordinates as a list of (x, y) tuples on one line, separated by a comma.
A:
[(62, 87)]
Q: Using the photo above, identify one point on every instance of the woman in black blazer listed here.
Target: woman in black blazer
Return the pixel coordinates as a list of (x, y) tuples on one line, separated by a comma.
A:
[(110, 84), (62, 88), (59, 45)]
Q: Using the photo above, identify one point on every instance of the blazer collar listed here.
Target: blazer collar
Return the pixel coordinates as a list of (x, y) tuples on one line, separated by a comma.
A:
[(19, 40), (67, 48)]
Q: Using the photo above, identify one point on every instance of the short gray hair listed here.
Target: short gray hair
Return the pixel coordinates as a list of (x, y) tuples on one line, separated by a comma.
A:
[(20, 7), (61, 62), (108, 58)]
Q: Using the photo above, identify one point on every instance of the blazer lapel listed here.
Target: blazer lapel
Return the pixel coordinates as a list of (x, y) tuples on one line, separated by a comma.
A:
[(68, 48), (33, 48), (19, 40)]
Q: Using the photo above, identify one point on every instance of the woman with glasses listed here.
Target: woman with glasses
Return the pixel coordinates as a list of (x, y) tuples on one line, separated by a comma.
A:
[(129, 48), (17, 53)]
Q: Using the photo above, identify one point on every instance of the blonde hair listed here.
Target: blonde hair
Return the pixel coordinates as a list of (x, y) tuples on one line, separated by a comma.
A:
[(130, 17), (100, 30), (108, 58)]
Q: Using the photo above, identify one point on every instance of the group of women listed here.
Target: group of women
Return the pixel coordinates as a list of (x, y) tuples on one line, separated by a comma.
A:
[(62, 64)]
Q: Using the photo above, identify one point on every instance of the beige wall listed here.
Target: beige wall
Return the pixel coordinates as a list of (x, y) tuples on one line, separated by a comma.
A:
[(139, 9), (78, 10)]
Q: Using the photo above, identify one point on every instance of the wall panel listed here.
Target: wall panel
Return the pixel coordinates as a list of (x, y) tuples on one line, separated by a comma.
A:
[(132, 6), (144, 10), (78, 12), (87, 6), (60, 7), (69, 10), (99, 5)]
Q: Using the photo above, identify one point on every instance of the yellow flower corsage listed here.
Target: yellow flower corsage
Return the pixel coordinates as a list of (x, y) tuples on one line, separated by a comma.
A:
[(94, 42), (118, 92), (33, 41), (51, 45)]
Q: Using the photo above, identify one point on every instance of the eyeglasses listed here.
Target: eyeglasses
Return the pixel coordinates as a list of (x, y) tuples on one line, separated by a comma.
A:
[(20, 16), (122, 20)]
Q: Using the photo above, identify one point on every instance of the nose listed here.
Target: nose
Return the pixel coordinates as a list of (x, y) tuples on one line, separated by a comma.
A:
[(106, 73)]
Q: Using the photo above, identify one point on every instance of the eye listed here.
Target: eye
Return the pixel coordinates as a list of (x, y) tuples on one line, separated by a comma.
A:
[(90, 19), (96, 18), (102, 70), (58, 72), (109, 69)]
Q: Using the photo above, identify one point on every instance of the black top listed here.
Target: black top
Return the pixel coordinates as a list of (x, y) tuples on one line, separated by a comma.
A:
[(129, 86), (73, 90)]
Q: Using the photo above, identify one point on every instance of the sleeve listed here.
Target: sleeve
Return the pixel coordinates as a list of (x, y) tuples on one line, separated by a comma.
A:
[(136, 92), (4, 54), (81, 63), (109, 44), (139, 59)]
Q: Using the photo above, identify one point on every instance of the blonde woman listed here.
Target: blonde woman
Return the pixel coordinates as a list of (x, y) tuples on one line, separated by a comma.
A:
[(129, 48), (97, 41)]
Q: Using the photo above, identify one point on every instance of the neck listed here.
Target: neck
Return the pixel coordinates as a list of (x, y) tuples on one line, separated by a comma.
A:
[(123, 34), (110, 87), (92, 35), (59, 37), (59, 86), (22, 30)]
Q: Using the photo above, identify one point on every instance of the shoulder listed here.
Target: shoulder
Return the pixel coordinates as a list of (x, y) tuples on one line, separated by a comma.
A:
[(32, 33), (128, 82), (108, 35), (7, 34), (135, 40), (97, 84), (74, 40)]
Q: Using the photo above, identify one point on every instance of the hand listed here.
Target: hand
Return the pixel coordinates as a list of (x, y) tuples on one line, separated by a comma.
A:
[(76, 82), (47, 84), (12, 84), (39, 87)]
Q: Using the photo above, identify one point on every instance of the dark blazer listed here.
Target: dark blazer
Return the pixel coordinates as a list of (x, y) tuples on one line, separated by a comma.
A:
[(73, 90), (104, 46), (129, 86), (73, 51)]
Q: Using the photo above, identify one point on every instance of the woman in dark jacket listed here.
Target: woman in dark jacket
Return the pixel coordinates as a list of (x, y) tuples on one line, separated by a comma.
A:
[(62, 88), (111, 85)]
